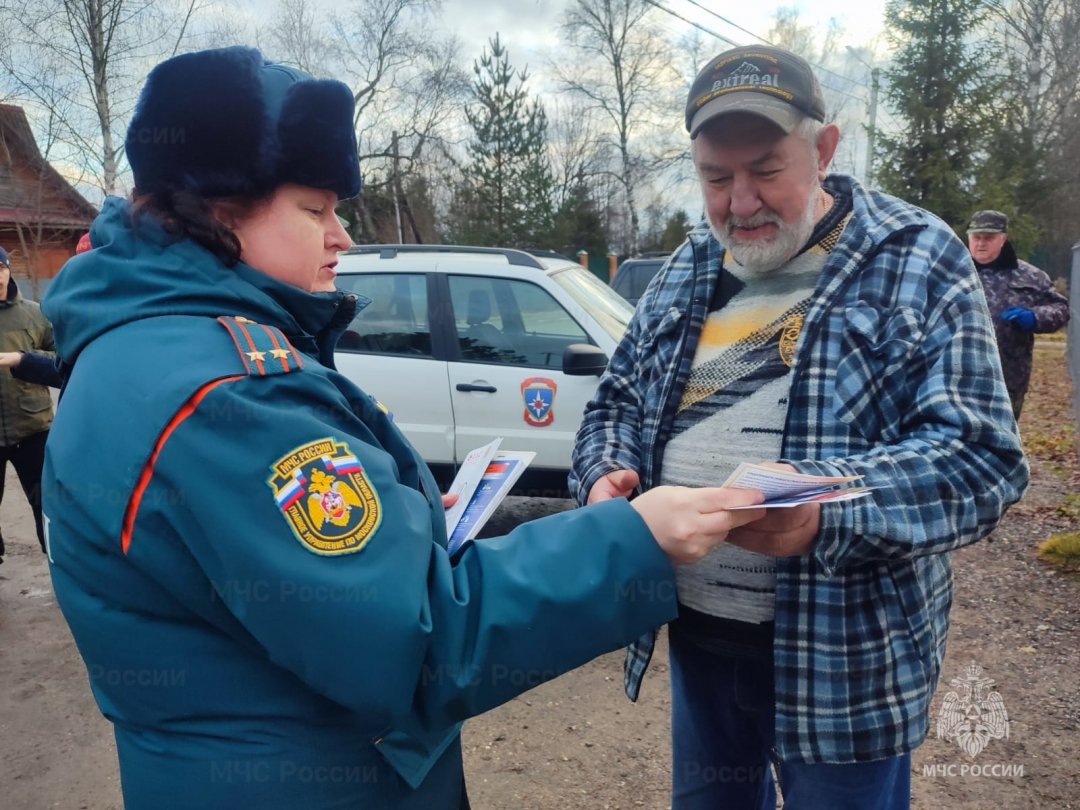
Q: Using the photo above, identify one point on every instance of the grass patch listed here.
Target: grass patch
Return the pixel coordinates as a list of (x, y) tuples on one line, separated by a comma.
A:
[(1057, 444), (1062, 551), (1070, 508), (1048, 427), (1049, 432)]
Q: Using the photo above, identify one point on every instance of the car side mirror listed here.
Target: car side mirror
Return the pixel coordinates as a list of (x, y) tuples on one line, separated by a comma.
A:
[(583, 360)]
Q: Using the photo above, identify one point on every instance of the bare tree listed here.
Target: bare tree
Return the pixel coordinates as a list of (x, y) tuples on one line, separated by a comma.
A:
[(406, 83), (296, 37), (573, 144), (94, 53), (1041, 40), (1040, 43), (624, 74), (789, 32)]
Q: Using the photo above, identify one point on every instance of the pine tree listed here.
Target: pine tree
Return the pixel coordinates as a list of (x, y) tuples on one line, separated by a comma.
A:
[(675, 231), (505, 195), (944, 87), (579, 224)]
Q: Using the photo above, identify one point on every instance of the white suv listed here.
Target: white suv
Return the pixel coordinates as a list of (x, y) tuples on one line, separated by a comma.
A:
[(465, 344)]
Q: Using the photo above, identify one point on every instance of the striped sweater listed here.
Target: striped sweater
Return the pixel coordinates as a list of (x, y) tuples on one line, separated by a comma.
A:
[(734, 407)]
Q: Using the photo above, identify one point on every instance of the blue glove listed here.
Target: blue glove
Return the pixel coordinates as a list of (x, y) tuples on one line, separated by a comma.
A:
[(1021, 318)]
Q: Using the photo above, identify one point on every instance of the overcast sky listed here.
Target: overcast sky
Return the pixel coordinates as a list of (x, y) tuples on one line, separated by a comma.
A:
[(528, 29), (529, 26)]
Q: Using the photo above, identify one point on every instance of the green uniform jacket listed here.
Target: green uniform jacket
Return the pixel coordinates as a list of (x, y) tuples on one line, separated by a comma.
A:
[(252, 557), (25, 408)]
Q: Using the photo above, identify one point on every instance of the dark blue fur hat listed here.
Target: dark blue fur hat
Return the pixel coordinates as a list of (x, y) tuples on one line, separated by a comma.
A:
[(225, 122)]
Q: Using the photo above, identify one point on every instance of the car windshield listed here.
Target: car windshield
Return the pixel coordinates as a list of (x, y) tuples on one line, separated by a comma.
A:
[(611, 312)]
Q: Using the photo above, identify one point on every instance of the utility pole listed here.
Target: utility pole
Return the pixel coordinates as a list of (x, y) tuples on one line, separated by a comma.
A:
[(872, 132), (394, 186)]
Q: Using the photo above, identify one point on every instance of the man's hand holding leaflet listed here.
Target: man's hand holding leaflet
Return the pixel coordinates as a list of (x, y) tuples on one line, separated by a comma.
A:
[(784, 487)]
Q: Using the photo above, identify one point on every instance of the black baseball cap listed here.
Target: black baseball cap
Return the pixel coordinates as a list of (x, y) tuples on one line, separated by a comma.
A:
[(988, 222), (757, 79)]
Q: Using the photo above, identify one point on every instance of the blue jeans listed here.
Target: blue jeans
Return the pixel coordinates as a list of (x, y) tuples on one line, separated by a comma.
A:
[(722, 738)]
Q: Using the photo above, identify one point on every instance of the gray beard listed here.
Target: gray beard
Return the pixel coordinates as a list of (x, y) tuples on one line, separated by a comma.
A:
[(784, 246)]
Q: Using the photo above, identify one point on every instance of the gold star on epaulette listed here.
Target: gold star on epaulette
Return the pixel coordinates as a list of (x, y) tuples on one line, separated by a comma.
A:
[(260, 356), (242, 319), (279, 354)]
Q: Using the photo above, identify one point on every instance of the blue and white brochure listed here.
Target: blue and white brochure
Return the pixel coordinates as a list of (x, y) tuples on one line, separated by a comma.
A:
[(501, 472)]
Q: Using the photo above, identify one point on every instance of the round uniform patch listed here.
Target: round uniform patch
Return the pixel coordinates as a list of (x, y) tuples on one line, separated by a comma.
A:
[(325, 497)]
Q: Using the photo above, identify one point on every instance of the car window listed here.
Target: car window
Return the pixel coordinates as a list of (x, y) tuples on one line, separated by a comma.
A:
[(633, 277), (511, 322), (396, 320), (610, 311), (621, 283)]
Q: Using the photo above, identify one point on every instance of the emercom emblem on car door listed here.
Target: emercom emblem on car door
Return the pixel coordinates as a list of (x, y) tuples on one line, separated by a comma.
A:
[(538, 394)]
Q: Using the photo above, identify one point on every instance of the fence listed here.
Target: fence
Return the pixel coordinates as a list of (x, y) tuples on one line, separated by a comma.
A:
[(1074, 332)]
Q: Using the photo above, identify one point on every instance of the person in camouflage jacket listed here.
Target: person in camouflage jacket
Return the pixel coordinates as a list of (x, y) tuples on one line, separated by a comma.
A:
[(1021, 298)]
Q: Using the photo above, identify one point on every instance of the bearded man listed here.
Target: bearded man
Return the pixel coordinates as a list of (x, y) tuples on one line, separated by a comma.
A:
[(815, 324)]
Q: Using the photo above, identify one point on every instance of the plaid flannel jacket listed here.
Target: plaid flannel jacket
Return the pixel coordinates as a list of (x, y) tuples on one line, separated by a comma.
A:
[(896, 379)]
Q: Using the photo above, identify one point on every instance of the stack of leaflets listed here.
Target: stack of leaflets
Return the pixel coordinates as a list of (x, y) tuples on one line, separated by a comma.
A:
[(485, 477), (784, 488)]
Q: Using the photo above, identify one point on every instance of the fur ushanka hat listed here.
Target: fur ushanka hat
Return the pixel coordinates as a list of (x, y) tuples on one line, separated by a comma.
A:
[(225, 122)]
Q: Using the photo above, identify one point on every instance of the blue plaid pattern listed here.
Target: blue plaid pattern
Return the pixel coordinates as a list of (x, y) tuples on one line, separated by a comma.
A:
[(896, 379)]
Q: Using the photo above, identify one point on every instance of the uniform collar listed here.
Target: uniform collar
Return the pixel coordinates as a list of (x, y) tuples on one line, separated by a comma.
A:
[(138, 270)]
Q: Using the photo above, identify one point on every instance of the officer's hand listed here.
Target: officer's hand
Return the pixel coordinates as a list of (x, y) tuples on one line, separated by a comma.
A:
[(618, 484), (688, 522), (1021, 318), (10, 359), (449, 500), (782, 532)]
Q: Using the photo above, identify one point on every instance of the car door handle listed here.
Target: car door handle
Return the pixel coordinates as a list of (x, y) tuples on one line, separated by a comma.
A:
[(487, 389)]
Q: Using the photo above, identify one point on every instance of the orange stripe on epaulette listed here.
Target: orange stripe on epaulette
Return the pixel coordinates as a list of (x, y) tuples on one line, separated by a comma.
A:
[(282, 352), (148, 471), (253, 354), (264, 350), (228, 324)]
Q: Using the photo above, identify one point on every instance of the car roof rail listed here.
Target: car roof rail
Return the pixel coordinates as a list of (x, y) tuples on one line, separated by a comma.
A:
[(513, 256), (550, 254)]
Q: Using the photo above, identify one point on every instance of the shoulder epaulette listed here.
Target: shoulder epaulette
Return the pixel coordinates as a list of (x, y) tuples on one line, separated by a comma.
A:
[(264, 349)]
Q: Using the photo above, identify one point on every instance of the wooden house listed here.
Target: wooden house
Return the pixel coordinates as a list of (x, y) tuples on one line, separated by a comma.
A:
[(41, 215)]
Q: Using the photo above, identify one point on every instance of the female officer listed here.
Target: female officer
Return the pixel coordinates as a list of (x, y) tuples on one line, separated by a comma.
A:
[(250, 555)]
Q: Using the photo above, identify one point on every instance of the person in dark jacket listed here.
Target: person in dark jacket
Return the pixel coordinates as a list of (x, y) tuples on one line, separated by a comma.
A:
[(31, 367), (25, 405), (1021, 297), (251, 556)]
